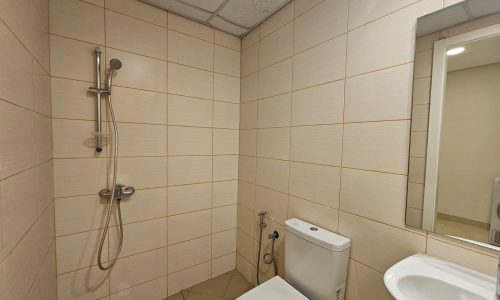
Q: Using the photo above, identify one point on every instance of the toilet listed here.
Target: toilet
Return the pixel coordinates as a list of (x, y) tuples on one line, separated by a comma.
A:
[(315, 266)]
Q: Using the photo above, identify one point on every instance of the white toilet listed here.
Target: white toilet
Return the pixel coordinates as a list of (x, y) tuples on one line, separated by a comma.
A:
[(315, 266)]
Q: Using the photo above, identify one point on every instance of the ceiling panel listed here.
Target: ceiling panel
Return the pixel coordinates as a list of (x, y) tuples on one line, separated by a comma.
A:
[(236, 17)]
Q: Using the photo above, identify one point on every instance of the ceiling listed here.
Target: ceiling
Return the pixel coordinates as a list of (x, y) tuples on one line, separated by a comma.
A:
[(476, 53), (236, 17)]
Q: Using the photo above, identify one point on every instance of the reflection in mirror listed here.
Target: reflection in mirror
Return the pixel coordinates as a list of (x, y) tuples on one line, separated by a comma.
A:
[(454, 167)]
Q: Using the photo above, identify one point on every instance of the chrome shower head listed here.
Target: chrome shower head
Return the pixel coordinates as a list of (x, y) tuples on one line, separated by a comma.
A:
[(115, 64)]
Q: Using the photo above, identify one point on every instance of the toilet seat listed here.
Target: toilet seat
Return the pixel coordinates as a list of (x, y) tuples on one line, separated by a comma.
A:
[(274, 289)]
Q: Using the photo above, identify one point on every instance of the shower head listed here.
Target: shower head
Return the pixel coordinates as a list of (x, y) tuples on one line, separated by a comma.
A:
[(115, 64)]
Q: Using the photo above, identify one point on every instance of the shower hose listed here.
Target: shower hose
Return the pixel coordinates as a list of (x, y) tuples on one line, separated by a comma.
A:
[(272, 256), (112, 198)]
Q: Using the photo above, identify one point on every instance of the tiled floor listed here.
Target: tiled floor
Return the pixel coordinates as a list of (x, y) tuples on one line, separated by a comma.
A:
[(227, 286)]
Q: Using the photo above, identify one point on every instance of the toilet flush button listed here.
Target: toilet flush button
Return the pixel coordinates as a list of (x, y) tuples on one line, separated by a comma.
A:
[(313, 228)]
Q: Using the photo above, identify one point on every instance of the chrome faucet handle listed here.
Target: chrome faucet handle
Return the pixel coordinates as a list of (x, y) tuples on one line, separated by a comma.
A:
[(121, 191)]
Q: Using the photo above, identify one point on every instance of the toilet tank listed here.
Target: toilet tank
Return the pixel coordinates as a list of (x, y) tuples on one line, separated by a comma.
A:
[(316, 260)]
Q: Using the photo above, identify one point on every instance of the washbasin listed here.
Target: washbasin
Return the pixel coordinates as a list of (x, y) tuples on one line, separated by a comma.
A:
[(423, 277)]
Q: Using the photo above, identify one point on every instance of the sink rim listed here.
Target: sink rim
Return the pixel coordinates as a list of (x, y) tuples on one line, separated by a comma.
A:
[(438, 269)]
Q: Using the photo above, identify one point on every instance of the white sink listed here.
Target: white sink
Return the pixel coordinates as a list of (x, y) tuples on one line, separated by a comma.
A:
[(423, 277)]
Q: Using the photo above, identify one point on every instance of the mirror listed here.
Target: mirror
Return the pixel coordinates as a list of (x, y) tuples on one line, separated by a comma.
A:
[(454, 165)]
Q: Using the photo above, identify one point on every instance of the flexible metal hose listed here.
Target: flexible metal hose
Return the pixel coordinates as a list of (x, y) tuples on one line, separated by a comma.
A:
[(110, 205), (258, 256)]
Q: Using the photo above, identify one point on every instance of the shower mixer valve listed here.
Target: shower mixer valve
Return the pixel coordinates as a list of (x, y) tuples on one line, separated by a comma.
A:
[(121, 191)]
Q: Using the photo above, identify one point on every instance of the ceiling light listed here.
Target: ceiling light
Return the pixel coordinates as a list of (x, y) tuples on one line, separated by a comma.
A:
[(455, 51)]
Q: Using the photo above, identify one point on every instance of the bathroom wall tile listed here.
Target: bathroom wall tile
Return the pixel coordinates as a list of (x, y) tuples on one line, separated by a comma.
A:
[(223, 218), (323, 22), (420, 118), (277, 20), (137, 269), (223, 264), (146, 236), (78, 20), (323, 63), (41, 90), (247, 168), (423, 64), (413, 217), (317, 144), (139, 71), (364, 282), (225, 193), (138, 106), (276, 79), (188, 198), (245, 220), (187, 254), (142, 140), (189, 141), (274, 143), (144, 204), (139, 10), (43, 136), (273, 174), (418, 144), (322, 104), (189, 111), (71, 100), (16, 80), (188, 226), (224, 242), (80, 213), (421, 90), (225, 167), (226, 115), (248, 142), (189, 81), (246, 194), (74, 139), (415, 196), (380, 146), (416, 171), (244, 244), (186, 26), (226, 88), (249, 87), (302, 6), (130, 34), (248, 115), (74, 177), (90, 283), (370, 54), (154, 289), (274, 111), (250, 60), (227, 40), (250, 38), (187, 50), (277, 46), (383, 247), (380, 95), (360, 14), (314, 213), (374, 195), (227, 61), (226, 141), (244, 267), (143, 172), (317, 183), (47, 276), (78, 251), (273, 202), (189, 169), (188, 277)]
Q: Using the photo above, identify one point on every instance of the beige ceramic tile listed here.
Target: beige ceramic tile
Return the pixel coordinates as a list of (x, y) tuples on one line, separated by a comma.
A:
[(78, 251), (273, 202), (90, 283), (246, 194), (420, 118), (322, 104), (244, 244), (226, 115), (274, 143), (249, 87), (189, 111), (302, 6), (225, 167), (130, 34), (143, 172), (188, 277), (139, 10), (321, 23), (245, 220), (188, 198), (187, 50), (247, 168), (187, 254), (323, 63), (189, 141), (77, 214), (276, 79), (365, 283), (186, 26), (189, 81), (317, 144), (416, 170), (189, 169), (70, 99), (415, 196), (250, 38), (225, 193), (423, 64), (139, 71), (74, 139), (155, 289), (277, 46), (276, 21), (313, 213), (78, 20), (223, 218), (226, 88), (225, 141), (142, 140), (188, 226), (248, 142), (224, 242), (421, 90), (227, 40), (378, 196), (380, 95), (360, 13), (413, 217), (320, 184), (244, 267), (74, 177), (145, 204), (41, 90), (274, 111), (43, 136), (418, 144), (248, 115), (138, 106), (378, 146), (250, 60), (227, 61), (223, 264), (273, 174)]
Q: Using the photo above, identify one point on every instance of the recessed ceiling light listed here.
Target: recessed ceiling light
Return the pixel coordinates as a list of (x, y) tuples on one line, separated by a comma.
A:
[(455, 51)]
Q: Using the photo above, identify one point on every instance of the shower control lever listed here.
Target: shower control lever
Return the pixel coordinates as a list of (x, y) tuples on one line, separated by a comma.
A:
[(121, 191)]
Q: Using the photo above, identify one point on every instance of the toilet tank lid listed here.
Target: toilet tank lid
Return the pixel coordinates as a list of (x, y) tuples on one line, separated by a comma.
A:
[(317, 235)]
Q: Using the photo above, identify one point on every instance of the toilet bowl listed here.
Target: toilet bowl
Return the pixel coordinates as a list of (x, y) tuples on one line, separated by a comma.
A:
[(315, 266)]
